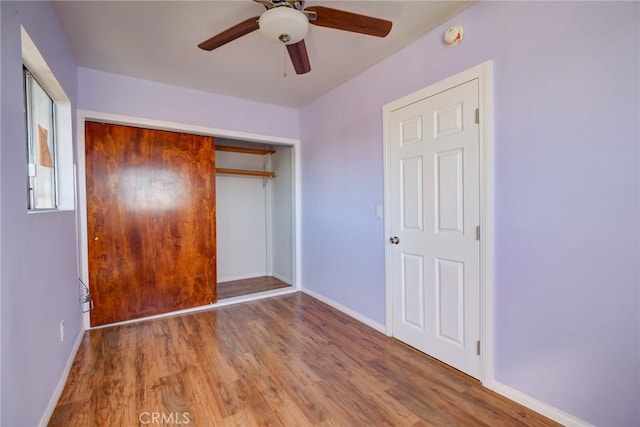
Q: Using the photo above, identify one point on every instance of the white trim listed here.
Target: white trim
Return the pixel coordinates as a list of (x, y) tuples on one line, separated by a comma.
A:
[(484, 74), (84, 115), (297, 215), (487, 257), (81, 212), (222, 303), (538, 406), (359, 317), (53, 402), (182, 127), (268, 220)]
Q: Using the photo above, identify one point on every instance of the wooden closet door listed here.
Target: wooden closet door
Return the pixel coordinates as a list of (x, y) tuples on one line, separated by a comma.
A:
[(150, 221)]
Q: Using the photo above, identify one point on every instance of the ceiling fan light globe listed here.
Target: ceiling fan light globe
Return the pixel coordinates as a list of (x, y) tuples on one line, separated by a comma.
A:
[(284, 24)]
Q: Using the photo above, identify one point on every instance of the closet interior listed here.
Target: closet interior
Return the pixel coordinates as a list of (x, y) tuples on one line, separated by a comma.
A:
[(254, 217)]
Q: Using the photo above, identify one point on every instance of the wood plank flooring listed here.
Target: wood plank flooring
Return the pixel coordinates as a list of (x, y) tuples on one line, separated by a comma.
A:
[(249, 286), (283, 361)]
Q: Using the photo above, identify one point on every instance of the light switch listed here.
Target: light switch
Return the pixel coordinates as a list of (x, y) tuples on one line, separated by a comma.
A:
[(379, 212)]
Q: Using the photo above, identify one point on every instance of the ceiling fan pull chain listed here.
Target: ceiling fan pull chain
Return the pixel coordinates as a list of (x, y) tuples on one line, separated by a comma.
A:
[(284, 61)]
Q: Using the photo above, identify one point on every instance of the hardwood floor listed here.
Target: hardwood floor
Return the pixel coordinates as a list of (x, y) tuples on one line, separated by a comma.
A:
[(283, 361), (248, 286)]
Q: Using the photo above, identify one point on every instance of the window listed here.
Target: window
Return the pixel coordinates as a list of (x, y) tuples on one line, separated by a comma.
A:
[(41, 145), (50, 180)]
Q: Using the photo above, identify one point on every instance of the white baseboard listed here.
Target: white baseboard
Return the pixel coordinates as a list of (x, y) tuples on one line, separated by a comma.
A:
[(538, 406), (359, 317), (62, 382)]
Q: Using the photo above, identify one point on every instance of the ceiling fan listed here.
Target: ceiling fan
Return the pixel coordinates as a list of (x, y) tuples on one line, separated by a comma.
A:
[(288, 21)]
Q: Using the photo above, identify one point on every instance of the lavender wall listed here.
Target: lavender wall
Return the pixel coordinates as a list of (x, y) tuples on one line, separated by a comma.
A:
[(116, 94), (38, 251), (567, 193)]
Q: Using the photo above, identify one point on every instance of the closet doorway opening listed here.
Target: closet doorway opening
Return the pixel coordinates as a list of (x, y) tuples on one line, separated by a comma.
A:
[(255, 213)]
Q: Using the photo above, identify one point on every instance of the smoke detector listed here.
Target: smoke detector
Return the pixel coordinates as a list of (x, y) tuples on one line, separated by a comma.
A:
[(453, 35)]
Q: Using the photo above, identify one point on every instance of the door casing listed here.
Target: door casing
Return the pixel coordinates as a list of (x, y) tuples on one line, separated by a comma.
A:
[(484, 74)]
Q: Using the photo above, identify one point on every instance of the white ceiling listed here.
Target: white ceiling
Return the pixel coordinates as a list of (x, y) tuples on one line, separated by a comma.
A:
[(157, 40)]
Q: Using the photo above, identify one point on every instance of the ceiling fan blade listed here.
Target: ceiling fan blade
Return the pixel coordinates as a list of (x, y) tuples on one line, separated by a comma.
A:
[(348, 21), (230, 34), (299, 57)]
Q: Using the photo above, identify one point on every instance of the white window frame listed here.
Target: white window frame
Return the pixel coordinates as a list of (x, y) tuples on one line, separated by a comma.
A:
[(35, 188)]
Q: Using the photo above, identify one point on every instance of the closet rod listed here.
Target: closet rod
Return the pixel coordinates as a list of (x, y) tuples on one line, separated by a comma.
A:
[(244, 172)]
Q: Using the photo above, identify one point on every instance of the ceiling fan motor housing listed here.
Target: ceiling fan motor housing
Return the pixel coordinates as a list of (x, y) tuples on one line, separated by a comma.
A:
[(284, 24), (269, 4)]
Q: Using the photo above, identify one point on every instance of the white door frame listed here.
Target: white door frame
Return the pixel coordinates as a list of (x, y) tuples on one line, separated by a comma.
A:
[(81, 189), (484, 74)]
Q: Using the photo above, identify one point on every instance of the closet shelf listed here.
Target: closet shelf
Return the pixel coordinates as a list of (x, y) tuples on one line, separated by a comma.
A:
[(265, 174), (244, 150)]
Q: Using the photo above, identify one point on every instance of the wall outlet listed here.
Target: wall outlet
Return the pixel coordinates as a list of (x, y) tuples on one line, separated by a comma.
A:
[(62, 330)]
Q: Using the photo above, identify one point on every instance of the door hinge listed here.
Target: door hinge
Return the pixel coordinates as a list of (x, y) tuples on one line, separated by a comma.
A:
[(477, 232), (478, 348), (477, 116)]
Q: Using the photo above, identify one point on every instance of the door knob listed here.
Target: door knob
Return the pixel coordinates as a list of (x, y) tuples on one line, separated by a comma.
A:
[(394, 240)]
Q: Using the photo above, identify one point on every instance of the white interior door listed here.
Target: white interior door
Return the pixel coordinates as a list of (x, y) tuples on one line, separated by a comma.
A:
[(434, 192)]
